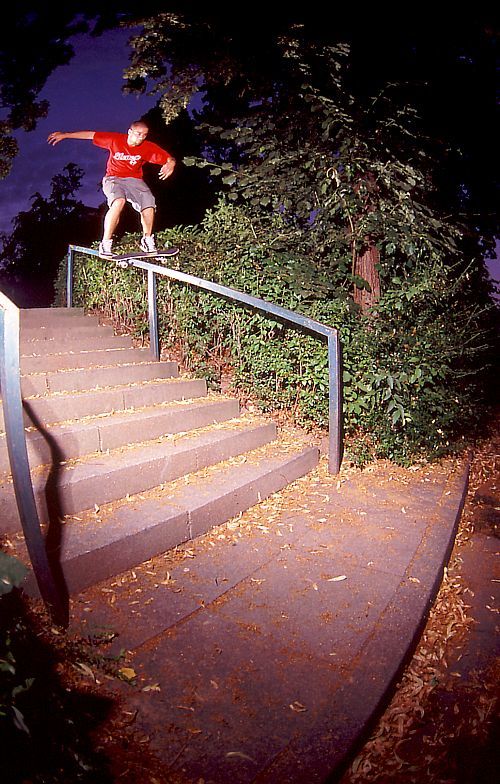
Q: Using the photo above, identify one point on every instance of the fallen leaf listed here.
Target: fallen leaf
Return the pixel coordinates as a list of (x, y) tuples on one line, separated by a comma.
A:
[(85, 669), (297, 707), (19, 720), (128, 673), (239, 754)]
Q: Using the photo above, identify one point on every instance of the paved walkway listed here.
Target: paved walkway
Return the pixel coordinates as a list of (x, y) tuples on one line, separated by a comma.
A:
[(268, 646)]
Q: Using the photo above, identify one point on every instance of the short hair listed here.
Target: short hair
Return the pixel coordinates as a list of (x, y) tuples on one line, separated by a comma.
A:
[(139, 122)]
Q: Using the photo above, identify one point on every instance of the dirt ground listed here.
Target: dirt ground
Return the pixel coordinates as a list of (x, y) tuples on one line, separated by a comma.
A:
[(442, 725)]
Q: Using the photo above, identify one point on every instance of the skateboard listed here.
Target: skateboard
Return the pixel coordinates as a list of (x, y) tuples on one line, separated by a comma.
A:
[(126, 259)]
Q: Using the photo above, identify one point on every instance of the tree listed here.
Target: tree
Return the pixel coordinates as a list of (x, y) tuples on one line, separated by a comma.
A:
[(335, 178), (40, 238), (345, 164), (448, 68), (335, 137), (391, 75)]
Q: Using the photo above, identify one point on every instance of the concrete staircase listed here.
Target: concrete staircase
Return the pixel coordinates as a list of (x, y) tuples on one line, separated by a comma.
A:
[(127, 458)]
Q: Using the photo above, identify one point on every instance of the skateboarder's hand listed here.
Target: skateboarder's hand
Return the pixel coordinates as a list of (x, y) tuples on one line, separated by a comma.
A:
[(167, 169), (54, 138)]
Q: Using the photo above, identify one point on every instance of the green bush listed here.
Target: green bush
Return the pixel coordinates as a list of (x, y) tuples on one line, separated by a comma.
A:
[(412, 372)]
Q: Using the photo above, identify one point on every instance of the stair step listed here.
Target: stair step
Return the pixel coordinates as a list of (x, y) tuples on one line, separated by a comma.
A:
[(50, 409), (51, 337), (40, 316), (83, 359), (127, 459), (139, 529), (56, 321), (89, 327), (32, 348), (90, 378), (66, 442), (104, 478)]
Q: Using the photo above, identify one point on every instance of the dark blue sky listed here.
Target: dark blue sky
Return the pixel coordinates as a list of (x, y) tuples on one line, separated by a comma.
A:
[(84, 95)]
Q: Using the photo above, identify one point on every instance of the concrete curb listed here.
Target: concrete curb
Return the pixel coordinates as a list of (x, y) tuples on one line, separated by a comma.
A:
[(328, 748)]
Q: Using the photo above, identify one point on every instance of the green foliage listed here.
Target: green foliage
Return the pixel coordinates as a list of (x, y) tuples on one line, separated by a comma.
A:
[(412, 372), (42, 233), (323, 99), (318, 176), (12, 573), (30, 254), (46, 718), (330, 175)]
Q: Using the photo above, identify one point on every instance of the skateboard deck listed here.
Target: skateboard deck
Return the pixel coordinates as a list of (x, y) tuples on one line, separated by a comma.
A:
[(126, 259)]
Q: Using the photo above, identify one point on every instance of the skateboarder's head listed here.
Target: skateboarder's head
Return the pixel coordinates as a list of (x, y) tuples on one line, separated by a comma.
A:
[(137, 133)]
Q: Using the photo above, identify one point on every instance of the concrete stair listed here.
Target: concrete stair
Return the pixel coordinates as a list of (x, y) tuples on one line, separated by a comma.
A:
[(127, 458)]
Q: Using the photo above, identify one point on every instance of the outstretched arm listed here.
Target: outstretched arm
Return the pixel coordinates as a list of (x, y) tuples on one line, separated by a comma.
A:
[(58, 136)]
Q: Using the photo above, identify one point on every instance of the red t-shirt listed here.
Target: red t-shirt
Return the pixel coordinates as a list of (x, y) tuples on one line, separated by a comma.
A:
[(126, 161)]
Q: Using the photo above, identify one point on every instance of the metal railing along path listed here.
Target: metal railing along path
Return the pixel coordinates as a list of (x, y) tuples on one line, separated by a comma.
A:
[(275, 311), (10, 385)]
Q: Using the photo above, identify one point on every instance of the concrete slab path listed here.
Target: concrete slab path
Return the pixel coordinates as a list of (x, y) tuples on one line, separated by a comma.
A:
[(268, 646)]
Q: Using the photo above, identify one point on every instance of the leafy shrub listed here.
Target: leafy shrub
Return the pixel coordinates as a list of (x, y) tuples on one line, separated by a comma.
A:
[(412, 372)]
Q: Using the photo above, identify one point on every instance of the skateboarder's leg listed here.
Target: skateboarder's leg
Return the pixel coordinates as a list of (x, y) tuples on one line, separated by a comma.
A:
[(112, 218), (147, 220)]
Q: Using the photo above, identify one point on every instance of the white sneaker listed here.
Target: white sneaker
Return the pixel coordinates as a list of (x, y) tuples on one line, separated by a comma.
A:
[(148, 244), (105, 248)]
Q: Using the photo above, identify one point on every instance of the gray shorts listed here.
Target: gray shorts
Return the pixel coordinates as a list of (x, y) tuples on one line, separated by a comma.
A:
[(130, 188)]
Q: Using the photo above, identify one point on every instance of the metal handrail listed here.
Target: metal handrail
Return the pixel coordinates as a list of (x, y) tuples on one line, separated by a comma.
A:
[(10, 384), (276, 311)]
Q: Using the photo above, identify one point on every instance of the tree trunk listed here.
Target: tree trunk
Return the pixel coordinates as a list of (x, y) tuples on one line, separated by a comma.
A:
[(365, 266)]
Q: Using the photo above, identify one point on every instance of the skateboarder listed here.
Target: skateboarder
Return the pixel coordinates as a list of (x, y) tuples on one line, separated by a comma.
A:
[(123, 180)]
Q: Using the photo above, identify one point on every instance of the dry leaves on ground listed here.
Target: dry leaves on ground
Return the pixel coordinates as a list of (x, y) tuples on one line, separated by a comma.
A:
[(433, 712)]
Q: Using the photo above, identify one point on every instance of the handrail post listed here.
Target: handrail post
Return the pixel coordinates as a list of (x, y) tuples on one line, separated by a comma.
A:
[(18, 456), (334, 404), (69, 279), (154, 338)]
